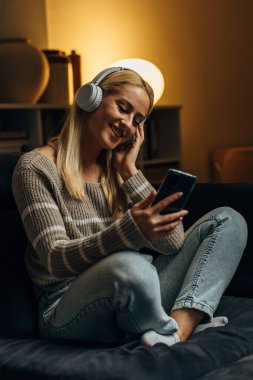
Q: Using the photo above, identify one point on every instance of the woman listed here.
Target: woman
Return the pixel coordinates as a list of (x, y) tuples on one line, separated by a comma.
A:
[(88, 213)]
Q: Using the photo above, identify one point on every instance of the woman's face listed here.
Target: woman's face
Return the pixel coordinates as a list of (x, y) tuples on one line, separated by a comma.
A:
[(116, 120)]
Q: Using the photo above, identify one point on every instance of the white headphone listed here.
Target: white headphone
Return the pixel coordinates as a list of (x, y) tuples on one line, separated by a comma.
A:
[(90, 95)]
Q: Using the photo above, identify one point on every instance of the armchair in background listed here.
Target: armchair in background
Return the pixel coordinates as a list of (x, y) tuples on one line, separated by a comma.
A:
[(233, 165)]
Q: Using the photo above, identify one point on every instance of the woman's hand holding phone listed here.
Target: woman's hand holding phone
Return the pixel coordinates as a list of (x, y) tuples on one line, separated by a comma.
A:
[(149, 219)]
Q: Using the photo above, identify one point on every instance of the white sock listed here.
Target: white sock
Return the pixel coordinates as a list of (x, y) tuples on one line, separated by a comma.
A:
[(151, 337), (216, 322)]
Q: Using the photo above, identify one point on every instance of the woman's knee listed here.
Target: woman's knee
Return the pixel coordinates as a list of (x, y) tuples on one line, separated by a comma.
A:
[(227, 221), (131, 268), (235, 220)]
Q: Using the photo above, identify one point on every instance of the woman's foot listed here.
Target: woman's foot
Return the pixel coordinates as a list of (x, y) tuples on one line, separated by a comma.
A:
[(151, 337), (215, 322), (187, 320)]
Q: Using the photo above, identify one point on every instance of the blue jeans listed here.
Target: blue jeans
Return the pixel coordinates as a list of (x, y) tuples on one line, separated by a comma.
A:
[(127, 293)]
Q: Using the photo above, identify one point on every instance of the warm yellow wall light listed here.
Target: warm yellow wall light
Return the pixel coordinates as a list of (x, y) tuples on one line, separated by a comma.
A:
[(148, 71)]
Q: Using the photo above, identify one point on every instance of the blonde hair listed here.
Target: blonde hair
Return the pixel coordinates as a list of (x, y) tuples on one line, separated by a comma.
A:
[(69, 147)]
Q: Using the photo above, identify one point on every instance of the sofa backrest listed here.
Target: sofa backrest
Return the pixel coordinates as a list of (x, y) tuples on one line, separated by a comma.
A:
[(18, 307)]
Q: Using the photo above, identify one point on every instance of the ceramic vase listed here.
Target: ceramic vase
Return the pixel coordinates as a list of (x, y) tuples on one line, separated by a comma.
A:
[(24, 71)]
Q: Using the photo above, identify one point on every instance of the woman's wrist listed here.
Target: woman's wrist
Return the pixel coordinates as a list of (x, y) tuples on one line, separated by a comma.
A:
[(128, 173)]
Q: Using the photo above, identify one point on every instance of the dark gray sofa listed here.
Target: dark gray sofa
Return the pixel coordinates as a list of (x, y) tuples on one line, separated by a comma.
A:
[(220, 353)]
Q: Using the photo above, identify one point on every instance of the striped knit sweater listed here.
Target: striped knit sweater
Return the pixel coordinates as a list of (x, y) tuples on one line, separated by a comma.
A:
[(67, 236)]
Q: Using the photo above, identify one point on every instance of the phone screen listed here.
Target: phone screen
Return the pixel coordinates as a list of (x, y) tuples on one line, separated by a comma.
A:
[(176, 181)]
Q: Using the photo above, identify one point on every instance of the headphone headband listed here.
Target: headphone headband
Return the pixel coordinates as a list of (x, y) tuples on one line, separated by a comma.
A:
[(104, 73)]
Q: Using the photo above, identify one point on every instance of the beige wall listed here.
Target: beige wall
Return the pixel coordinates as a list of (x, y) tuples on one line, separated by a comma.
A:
[(204, 49), (24, 19)]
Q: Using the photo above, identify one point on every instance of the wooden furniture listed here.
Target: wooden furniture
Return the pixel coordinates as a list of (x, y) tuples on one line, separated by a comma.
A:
[(161, 149), (24, 127)]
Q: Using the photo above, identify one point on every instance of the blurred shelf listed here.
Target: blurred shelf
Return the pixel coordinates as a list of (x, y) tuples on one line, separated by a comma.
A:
[(160, 151), (35, 122), (159, 161), (18, 106)]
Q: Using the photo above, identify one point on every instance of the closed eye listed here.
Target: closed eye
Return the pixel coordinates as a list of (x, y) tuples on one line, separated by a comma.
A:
[(123, 109)]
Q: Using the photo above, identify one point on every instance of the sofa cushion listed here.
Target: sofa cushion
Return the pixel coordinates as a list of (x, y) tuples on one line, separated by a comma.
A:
[(241, 369), (206, 351)]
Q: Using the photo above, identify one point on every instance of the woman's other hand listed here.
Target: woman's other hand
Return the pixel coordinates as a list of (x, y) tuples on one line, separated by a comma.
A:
[(125, 155), (152, 224)]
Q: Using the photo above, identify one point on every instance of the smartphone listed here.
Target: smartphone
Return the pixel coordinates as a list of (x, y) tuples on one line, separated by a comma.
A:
[(176, 181), (128, 142)]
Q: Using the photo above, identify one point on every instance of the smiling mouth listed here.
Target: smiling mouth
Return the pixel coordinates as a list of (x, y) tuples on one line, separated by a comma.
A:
[(116, 132)]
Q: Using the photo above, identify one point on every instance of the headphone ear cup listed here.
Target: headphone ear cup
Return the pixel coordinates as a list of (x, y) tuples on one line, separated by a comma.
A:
[(89, 97)]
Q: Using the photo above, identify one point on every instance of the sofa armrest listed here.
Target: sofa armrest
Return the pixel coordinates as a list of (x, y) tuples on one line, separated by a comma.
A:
[(18, 315), (208, 196)]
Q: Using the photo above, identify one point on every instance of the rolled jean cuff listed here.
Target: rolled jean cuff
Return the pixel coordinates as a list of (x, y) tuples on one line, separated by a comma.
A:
[(194, 305)]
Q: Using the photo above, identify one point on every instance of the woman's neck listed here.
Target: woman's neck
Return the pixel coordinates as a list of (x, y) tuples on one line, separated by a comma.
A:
[(92, 172)]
